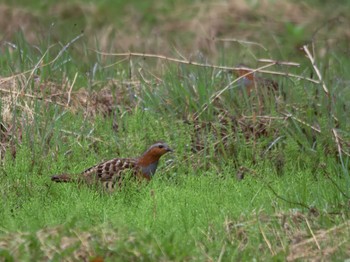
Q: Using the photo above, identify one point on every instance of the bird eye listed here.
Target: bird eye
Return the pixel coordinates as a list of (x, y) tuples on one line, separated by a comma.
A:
[(160, 146)]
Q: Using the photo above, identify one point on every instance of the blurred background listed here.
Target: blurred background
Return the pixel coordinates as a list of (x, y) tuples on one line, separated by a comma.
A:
[(184, 26), (65, 106)]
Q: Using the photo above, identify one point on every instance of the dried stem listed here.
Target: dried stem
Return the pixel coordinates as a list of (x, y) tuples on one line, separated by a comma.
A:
[(227, 68), (337, 142), (312, 233), (312, 60), (267, 241)]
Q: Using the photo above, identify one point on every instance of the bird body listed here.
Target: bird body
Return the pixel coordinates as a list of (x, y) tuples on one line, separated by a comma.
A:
[(250, 81), (113, 171), (259, 90)]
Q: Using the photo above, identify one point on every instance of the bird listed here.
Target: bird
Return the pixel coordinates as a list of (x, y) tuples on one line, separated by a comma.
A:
[(111, 172), (257, 86), (248, 79), (251, 81)]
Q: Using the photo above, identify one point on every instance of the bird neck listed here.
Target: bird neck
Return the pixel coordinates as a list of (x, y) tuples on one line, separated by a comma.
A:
[(148, 163), (150, 169), (250, 76)]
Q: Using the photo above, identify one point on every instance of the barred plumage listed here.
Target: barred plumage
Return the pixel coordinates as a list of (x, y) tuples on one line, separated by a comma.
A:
[(111, 172)]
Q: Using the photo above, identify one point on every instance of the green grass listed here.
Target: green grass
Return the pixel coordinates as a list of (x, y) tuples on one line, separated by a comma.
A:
[(291, 204), (184, 213), (173, 217)]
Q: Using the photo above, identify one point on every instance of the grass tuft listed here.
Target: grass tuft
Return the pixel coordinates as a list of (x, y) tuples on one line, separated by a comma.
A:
[(261, 163)]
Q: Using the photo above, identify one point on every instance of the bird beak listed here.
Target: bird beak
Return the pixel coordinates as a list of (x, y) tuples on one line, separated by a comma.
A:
[(168, 149)]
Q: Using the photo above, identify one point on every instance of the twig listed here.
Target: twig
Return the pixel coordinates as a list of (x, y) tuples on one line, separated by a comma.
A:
[(68, 45), (288, 201), (324, 233), (219, 93), (337, 137), (240, 42), (178, 52), (345, 153), (144, 78), (337, 142), (265, 117), (95, 139), (302, 122), (189, 62), (263, 60), (337, 186), (116, 63), (267, 241), (272, 144), (312, 233), (71, 88), (312, 60), (6, 79), (30, 96), (33, 70), (222, 252)]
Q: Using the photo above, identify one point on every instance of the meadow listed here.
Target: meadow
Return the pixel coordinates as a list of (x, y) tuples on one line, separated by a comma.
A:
[(258, 175)]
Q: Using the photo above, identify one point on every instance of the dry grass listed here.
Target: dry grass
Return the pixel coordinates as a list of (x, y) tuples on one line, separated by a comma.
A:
[(13, 19), (102, 101), (73, 246), (290, 233), (207, 28), (207, 24), (20, 96), (322, 245)]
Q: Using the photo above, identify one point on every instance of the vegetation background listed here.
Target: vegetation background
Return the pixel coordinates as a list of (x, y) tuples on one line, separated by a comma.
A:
[(254, 176)]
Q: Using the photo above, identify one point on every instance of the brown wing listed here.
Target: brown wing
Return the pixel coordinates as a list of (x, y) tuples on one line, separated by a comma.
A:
[(109, 171)]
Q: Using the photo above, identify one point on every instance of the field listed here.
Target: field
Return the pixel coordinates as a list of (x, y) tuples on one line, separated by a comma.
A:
[(260, 168)]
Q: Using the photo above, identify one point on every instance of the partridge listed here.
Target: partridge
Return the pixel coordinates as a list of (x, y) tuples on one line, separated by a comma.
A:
[(250, 81), (113, 171)]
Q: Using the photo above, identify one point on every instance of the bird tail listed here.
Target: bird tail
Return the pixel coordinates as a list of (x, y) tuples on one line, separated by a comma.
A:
[(65, 178)]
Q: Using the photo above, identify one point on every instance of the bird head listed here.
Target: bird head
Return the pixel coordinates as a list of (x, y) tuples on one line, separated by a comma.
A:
[(153, 153), (148, 162), (244, 70), (158, 149)]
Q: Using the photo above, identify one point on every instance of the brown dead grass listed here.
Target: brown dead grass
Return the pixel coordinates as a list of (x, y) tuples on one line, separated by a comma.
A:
[(103, 99), (56, 242), (17, 19), (322, 245), (289, 235), (189, 28), (18, 98), (205, 24), (239, 20), (292, 236)]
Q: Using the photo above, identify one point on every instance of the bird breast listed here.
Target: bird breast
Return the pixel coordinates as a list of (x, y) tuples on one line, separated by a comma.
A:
[(150, 169), (244, 82)]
